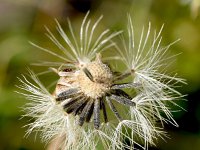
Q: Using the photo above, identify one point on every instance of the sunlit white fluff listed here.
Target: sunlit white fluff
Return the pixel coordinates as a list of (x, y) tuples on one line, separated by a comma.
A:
[(141, 128), (82, 49), (52, 122), (148, 62), (145, 63)]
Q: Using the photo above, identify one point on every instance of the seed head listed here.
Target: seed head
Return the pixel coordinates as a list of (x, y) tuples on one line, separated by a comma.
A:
[(77, 111)]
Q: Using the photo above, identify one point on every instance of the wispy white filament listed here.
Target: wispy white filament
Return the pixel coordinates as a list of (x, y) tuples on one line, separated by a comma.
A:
[(146, 64), (84, 48), (52, 122)]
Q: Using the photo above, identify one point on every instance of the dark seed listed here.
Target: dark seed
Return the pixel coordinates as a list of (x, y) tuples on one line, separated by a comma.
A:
[(114, 110), (97, 113), (103, 106), (85, 112), (66, 94)]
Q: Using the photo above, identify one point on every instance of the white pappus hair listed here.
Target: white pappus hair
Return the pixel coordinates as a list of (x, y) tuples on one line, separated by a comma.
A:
[(88, 87)]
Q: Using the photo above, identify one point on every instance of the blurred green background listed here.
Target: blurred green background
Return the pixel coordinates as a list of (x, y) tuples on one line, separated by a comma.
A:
[(22, 21)]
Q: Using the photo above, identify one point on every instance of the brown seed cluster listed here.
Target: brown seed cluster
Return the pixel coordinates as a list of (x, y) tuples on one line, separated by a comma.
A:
[(85, 91)]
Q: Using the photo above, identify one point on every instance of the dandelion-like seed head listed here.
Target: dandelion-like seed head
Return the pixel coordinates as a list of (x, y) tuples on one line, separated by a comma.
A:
[(88, 88)]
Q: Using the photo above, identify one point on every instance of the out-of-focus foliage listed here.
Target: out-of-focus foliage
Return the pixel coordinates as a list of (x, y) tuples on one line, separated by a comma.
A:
[(22, 21)]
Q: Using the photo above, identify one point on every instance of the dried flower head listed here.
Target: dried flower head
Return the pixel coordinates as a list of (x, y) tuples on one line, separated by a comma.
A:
[(83, 111)]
